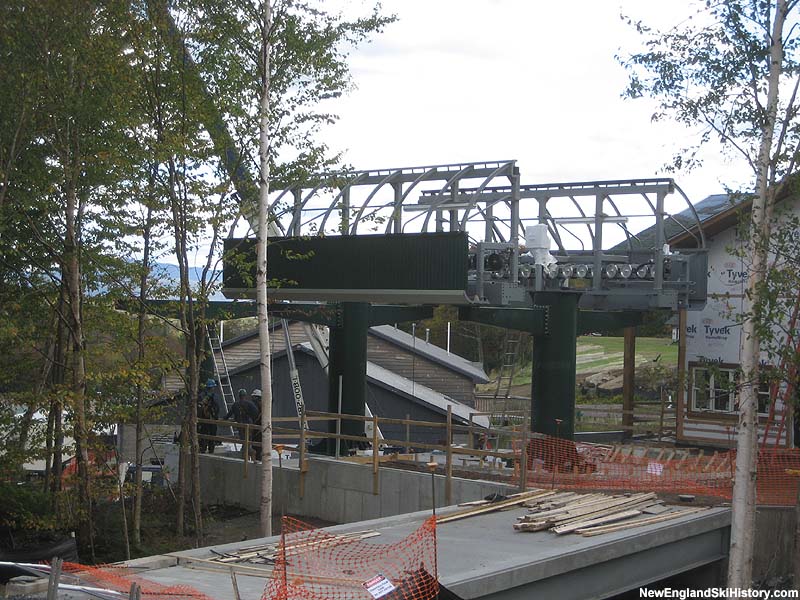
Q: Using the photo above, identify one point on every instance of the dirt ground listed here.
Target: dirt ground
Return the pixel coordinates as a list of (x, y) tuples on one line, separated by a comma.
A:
[(227, 524)]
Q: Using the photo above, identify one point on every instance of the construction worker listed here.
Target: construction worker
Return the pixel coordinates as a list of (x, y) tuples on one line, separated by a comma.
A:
[(256, 435), (244, 412), (207, 409)]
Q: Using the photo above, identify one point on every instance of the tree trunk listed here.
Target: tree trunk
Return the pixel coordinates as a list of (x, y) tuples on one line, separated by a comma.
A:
[(194, 386), (48, 448), (261, 286), (72, 275), (740, 564), (139, 488), (180, 513), (59, 377), (189, 441), (41, 385)]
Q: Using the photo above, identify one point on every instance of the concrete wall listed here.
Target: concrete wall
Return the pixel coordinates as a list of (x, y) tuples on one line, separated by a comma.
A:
[(774, 543), (335, 491)]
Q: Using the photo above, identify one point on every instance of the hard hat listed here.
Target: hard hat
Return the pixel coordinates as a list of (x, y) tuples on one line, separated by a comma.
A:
[(256, 393), (241, 393), (211, 383)]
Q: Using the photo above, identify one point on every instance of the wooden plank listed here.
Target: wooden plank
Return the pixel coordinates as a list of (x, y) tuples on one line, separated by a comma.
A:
[(725, 463), (588, 503), (509, 497), (597, 510), (591, 531), (628, 379), (627, 514), (267, 551), (492, 507), (448, 468), (560, 499), (710, 462), (656, 509), (602, 511)]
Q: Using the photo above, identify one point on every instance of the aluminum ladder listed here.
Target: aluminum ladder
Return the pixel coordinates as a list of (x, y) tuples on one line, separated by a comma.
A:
[(221, 371)]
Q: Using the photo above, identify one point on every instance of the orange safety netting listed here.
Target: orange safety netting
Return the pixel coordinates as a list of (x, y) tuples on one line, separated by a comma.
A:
[(313, 564), (119, 579), (574, 465)]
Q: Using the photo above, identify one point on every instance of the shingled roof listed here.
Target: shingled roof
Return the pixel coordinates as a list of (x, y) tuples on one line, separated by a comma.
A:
[(676, 227), (414, 391), (431, 352), (406, 341)]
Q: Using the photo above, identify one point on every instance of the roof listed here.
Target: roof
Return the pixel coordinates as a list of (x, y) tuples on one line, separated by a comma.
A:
[(421, 394), (675, 228), (416, 392), (303, 347), (430, 351), (719, 217), (406, 341), (274, 325)]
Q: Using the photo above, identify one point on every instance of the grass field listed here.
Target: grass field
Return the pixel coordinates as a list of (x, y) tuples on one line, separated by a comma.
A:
[(596, 353)]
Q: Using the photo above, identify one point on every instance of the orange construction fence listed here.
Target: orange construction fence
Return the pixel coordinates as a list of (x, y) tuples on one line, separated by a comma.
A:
[(575, 465), (119, 579), (313, 564)]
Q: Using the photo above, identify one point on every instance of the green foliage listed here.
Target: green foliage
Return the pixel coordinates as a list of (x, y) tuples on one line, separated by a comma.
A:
[(309, 47), (774, 305), (710, 72), (26, 507), (109, 137)]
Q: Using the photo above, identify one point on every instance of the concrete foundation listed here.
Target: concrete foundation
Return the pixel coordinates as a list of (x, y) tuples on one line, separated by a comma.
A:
[(774, 542), (334, 490), (482, 557)]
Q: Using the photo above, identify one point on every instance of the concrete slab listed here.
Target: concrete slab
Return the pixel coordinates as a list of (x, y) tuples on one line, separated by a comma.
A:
[(483, 557)]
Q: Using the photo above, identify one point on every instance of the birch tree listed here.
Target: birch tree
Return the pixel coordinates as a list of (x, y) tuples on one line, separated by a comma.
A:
[(269, 66), (265, 366), (731, 75)]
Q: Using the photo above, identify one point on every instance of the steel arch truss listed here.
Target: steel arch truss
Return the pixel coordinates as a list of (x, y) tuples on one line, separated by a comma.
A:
[(591, 225)]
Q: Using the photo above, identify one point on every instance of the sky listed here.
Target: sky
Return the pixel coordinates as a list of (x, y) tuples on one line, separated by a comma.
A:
[(535, 81), (530, 80)]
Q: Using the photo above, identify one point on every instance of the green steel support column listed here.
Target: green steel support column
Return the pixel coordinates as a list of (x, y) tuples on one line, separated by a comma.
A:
[(348, 359), (554, 353)]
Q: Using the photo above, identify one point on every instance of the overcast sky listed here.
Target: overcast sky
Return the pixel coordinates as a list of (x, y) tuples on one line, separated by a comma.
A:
[(536, 81)]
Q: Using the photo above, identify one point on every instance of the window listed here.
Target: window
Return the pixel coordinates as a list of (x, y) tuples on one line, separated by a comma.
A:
[(713, 389), (764, 393), (700, 392)]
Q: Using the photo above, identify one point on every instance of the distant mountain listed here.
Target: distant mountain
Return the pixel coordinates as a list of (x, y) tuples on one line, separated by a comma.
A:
[(170, 274)]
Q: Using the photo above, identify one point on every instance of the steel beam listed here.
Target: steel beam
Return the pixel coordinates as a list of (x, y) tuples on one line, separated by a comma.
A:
[(530, 320), (591, 321), (553, 372), (348, 360), (387, 314)]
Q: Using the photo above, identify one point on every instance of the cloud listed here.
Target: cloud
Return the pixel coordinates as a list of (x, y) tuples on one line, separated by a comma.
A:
[(466, 80)]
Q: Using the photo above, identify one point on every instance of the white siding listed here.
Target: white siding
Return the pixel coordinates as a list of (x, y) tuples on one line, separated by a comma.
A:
[(713, 336)]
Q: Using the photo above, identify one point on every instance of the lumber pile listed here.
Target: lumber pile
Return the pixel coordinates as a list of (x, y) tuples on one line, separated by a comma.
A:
[(479, 507), (596, 514), (267, 553)]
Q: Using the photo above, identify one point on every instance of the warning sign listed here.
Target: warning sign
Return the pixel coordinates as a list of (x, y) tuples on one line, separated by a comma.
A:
[(378, 586)]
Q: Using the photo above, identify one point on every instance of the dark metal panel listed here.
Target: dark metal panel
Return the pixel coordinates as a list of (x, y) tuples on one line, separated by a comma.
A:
[(312, 378), (311, 266), (381, 401), (385, 403)]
